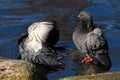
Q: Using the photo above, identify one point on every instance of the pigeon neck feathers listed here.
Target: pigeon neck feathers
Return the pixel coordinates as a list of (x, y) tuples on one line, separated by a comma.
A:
[(86, 23)]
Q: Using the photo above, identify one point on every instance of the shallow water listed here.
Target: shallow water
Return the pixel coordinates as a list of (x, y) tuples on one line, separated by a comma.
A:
[(17, 15)]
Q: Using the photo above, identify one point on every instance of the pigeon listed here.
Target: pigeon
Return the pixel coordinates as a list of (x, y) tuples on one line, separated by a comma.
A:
[(91, 42), (37, 46)]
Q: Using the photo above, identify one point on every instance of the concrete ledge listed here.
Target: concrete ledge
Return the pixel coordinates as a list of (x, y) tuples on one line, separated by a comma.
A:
[(101, 76)]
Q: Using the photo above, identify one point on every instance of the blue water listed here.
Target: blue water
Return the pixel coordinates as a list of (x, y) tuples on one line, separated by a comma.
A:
[(17, 15)]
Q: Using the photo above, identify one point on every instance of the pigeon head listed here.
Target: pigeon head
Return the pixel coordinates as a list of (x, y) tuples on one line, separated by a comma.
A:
[(86, 21), (83, 15)]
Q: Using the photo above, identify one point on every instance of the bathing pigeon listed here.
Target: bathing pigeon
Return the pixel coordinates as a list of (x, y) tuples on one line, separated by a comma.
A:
[(37, 46), (91, 42)]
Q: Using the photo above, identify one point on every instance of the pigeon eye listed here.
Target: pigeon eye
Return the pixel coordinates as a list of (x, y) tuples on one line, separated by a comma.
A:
[(81, 15)]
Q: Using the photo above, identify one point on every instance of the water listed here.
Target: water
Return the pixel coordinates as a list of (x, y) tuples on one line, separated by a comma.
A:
[(17, 15)]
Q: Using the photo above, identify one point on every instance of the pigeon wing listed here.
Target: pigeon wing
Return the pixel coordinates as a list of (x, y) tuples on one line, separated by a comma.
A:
[(48, 57), (97, 47), (96, 42)]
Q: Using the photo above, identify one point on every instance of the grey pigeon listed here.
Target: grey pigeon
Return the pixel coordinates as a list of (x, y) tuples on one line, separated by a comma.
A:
[(91, 42), (37, 46)]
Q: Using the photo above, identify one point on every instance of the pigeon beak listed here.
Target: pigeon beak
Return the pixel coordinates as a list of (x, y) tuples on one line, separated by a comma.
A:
[(80, 17)]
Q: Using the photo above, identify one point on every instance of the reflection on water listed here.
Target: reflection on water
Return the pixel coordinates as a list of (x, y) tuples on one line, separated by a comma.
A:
[(17, 15)]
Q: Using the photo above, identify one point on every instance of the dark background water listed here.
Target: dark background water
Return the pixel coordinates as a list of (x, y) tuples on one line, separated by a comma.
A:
[(17, 15)]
